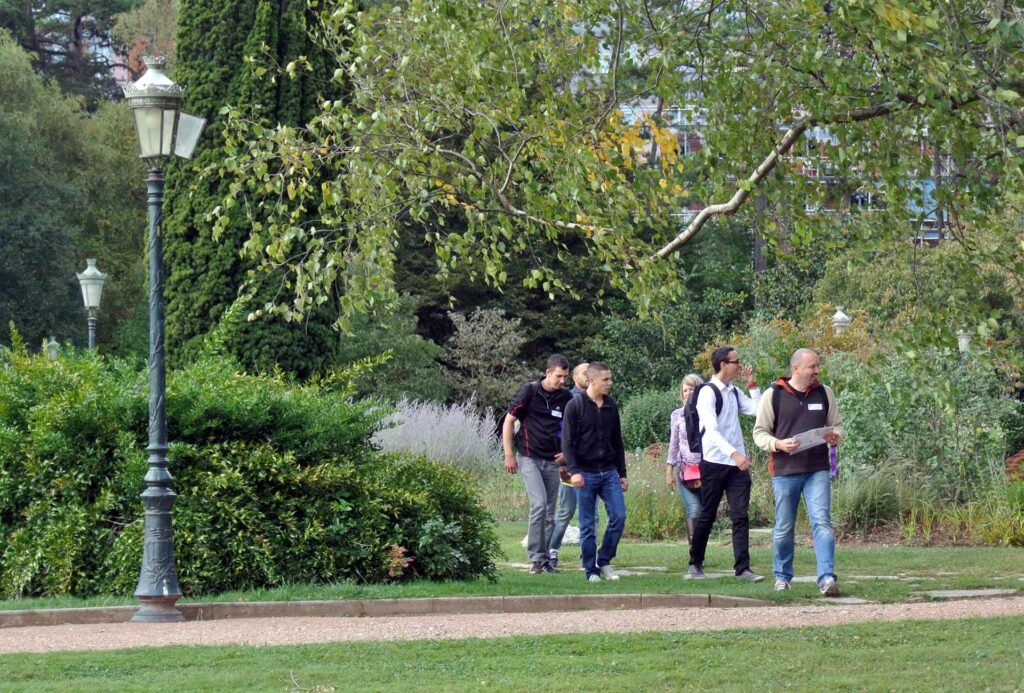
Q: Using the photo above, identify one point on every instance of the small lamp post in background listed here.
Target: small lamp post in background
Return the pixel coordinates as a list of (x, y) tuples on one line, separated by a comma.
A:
[(51, 348), (92, 290), (963, 342), (840, 320), (163, 130)]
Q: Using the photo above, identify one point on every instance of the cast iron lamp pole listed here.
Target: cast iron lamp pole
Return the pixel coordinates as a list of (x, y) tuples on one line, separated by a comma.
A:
[(92, 290), (162, 129)]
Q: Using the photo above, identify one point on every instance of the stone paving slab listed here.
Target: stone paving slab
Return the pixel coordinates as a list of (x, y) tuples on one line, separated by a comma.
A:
[(966, 594)]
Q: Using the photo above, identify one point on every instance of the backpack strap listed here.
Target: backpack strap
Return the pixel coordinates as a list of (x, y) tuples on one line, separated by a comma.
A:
[(719, 403)]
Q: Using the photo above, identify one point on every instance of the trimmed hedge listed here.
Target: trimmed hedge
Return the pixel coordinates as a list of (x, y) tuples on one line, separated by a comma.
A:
[(276, 484)]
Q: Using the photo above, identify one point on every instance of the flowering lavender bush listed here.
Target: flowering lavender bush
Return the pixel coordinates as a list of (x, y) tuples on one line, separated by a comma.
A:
[(455, 434)]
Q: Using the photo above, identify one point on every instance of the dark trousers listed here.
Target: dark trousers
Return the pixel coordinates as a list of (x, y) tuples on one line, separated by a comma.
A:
[(716, 479)]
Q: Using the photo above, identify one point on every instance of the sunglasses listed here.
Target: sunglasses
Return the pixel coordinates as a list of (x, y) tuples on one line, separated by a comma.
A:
[(732, 362)]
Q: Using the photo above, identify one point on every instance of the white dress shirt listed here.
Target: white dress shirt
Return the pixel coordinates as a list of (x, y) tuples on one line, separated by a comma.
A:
[(722, 433)]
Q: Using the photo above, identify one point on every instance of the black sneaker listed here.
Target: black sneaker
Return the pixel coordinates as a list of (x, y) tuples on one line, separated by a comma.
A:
[(696, 572), (548, 568), (536, 568)]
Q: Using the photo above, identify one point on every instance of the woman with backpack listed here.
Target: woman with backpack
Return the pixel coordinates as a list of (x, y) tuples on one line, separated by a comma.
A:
[(682, 469)]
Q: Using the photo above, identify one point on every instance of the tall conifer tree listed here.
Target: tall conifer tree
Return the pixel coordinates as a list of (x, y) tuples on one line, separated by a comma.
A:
[(215, 38)]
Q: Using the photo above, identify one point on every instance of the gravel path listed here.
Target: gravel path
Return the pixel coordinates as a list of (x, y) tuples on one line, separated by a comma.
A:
[(291, 631)]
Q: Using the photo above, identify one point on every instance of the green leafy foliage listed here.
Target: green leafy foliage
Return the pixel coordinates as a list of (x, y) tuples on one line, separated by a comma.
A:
[(645, 418), (413, 369), (218, 44), (483, 358), (276, 484), (541, 129), (930, 419), (645, 353), (72, 187)]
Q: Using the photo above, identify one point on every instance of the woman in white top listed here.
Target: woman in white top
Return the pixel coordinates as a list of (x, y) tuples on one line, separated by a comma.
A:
[(680, 457)]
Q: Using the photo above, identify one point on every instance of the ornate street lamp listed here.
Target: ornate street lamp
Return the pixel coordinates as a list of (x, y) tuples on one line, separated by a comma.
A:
[(51, 348), (840, 320), (92, 289), (163, 130)]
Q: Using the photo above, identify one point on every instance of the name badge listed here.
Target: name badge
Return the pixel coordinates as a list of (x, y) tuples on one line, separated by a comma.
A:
[(557, 414), (814, 407)]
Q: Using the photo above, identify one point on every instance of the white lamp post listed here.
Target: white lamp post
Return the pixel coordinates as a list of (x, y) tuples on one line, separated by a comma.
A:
[(92, 290), (840, 320), (963, 341), (163, 130)]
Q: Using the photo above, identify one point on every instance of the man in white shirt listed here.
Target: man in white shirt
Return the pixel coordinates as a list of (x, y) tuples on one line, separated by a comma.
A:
[(725, 467)]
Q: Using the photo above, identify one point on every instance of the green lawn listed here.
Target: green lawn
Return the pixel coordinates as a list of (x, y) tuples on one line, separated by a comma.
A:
[(921, 568), (975, 654)]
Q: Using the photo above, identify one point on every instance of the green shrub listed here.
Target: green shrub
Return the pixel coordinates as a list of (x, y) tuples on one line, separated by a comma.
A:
[(924, 416), (645, 418), (276, 484)]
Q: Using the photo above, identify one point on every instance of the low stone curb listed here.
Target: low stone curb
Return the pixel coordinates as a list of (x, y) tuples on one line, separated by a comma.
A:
[(382, 607)]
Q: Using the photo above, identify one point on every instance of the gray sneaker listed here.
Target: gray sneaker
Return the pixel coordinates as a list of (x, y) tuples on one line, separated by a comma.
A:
[(607, 573), (749, 575), (696, 572), (553, 558), (781, 585), (828, 587)]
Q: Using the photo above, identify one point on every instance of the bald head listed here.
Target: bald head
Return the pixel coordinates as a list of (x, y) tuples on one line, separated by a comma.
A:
[(799, 355), (804, 366), (579, 375)]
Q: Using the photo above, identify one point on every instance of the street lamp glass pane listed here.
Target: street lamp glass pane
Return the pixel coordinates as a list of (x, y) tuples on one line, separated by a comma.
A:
[(189, 130), (91, 293), (167, 140), (147, 125)]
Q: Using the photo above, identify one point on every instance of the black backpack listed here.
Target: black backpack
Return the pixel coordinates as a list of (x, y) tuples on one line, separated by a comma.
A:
[(694, 432)]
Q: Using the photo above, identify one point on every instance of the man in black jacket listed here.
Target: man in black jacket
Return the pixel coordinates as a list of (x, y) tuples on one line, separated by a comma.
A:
[(535, 452), (593, 450)]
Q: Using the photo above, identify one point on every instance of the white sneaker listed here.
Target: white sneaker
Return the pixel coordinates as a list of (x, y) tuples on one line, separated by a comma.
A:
[(607, 573), (593, 578), (781, 585), (828, 587)]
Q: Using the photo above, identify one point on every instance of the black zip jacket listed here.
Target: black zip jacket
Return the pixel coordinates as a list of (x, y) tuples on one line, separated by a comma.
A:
[(592, 436)]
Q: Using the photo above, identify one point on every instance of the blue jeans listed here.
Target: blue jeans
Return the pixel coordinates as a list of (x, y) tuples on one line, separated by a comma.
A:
[(690, 499), (817, 494), (607, 487), (566, 509)]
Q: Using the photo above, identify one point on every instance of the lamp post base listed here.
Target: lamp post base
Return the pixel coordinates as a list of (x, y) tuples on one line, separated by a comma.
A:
[(159, 610)]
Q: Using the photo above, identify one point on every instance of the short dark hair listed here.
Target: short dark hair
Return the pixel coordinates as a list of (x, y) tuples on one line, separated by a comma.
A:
[(596, 367), (556, 361), (720, 356)]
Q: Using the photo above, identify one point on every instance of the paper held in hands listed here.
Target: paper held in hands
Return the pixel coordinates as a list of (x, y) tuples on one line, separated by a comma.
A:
[(812, 438)]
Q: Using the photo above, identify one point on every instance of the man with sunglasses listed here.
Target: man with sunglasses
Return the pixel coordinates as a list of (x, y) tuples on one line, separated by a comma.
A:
[(725, 467)]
